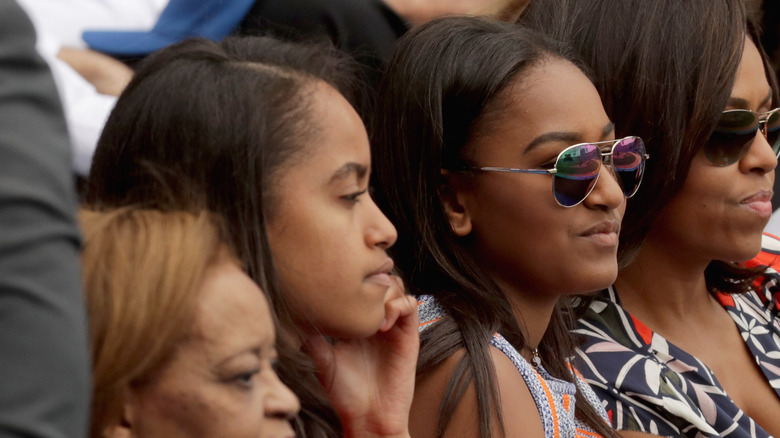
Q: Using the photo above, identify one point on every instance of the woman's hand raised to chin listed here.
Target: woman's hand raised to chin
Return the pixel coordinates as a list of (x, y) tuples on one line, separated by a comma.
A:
[(370, 381)]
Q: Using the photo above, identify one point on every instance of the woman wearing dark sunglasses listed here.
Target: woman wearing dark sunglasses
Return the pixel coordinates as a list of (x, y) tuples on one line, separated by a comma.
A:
[(687, 341), (488, 153)]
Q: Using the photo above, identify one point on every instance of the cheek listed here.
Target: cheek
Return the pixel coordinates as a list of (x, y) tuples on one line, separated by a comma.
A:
[(699, 219), (521, 224), (322, 259), (315, 257), (338, 307), (174, 413), (306, 234), (196, 409), (520, 206), (700, 203)]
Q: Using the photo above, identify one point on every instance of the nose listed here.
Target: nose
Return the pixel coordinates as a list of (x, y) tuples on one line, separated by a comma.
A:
[(760, 157), (607, 193), (281, 402), (380, 232)]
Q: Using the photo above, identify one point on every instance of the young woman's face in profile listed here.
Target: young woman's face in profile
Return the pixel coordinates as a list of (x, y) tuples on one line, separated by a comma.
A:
[(219, 382), (524, 238), (720, 212), (327, 236)]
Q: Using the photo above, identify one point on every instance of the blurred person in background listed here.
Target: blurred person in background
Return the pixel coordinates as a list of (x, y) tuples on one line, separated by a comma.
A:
[(44, 358), (183, 342)]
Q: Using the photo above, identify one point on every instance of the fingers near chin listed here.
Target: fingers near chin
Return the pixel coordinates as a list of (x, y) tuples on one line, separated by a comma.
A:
[(397, 290), (401, 307)]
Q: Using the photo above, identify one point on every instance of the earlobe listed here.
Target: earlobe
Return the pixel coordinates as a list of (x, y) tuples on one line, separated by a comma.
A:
[(124, 427), (454, 207)]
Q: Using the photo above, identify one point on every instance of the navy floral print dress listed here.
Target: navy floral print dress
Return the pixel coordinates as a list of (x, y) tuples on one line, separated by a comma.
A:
[(648, 384)]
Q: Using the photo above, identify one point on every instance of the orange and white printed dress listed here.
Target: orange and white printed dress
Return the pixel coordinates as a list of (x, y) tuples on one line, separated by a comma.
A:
[(554, 397)]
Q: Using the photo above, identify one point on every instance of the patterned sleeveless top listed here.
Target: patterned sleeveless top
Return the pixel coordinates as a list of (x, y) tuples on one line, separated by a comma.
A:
[(554, 398)]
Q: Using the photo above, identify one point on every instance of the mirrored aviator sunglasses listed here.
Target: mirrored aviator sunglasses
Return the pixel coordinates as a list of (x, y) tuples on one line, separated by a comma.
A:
[(735, 132), (577, 168)]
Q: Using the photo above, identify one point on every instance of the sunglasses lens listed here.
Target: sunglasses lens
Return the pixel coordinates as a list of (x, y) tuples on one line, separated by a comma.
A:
[(576, 171), (628, 161), (732, 137), (772, 131)]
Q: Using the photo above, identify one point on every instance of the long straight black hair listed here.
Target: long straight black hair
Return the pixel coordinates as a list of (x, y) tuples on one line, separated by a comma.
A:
[(665, 70), (437, 92), (211, 125)]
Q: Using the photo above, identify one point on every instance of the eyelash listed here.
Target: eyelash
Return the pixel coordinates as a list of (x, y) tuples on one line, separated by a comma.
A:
[(245, 379), (353, 197)]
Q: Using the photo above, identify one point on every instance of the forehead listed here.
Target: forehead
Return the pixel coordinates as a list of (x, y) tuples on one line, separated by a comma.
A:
[(232, 313), (553, 96), (751, 83), (338, 137)]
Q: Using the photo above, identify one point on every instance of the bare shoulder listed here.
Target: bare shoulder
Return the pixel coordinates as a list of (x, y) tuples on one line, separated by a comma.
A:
[(521, 420)]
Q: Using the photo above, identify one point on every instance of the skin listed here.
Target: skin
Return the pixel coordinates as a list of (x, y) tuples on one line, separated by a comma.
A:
[(512, 220), (516, 227), (220, 381), (328, 238), (105, 73), (709, 220), (329, 242), (421, 11)]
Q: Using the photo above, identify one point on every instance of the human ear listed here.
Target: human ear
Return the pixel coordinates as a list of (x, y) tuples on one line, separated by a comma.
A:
[(124, 427), (454, 206)]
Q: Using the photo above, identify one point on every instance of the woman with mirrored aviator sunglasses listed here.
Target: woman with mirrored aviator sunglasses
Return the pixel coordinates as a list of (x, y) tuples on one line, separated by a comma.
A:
[(686, 341), (503, 176), (577, 168)]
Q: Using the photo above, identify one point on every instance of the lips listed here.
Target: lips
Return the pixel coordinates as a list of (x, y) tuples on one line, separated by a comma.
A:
[(382, 274), (604, 233), (760, 202), (603, 227)]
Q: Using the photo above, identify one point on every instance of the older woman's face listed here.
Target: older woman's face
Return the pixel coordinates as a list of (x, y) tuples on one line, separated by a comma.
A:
[(720, 212), (219, 382)]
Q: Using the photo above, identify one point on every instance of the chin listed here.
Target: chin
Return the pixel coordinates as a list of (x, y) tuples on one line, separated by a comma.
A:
[(743, 256), (749, 248), (347, 329), (596, 283)]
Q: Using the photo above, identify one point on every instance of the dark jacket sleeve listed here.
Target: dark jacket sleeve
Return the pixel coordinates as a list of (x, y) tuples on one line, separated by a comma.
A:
[(44, 362)]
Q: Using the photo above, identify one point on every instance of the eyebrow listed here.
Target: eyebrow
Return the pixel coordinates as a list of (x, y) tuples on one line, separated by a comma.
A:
[(254, 350), (567, 136), (348, 169), (741, 103)]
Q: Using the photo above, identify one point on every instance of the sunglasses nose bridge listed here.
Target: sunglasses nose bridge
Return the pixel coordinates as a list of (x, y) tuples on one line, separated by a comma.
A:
[(762, 126), (606, 159)]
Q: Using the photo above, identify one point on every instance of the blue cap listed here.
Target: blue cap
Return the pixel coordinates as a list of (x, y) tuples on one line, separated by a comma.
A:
[(181, 19)]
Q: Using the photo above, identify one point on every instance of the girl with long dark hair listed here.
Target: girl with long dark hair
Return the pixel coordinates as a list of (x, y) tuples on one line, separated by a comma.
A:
[(497, 164), (262, 132)]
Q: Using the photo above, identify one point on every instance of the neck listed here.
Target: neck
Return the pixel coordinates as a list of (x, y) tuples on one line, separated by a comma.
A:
[(532, 312), (664, 286)]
